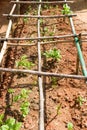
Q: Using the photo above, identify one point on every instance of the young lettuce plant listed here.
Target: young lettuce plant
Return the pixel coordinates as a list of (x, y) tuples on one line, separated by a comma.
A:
[(11, 124), (53, 54), (23, 62), (66, 10), (1, 119), (23, 97), (25, 108)]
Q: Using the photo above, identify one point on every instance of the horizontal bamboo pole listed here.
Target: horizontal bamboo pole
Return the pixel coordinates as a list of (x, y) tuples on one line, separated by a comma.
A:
[(39, 38), (43, 73), (41, 43), (36, 16), (42, 2)]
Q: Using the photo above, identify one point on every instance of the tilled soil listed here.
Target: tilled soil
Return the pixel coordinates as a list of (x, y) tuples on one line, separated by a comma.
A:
[(59, 93)]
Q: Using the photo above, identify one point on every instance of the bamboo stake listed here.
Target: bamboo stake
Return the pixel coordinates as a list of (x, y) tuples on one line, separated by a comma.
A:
[(7, 35), (41, 93), (43, 73)]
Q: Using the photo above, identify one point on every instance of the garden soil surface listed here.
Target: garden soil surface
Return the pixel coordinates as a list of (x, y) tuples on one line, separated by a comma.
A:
[(59, 93)]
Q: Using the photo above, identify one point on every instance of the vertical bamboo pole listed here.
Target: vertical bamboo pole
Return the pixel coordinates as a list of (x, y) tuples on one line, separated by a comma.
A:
[(4, 47), (41, 122)]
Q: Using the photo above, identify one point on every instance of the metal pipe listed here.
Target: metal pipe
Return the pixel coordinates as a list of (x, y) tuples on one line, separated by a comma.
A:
[(78, 49)]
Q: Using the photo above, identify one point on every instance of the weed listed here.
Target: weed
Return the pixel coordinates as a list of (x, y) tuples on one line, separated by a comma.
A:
[(70, 126), (80, 100), (11, 91), (54, 80), (58, 109)]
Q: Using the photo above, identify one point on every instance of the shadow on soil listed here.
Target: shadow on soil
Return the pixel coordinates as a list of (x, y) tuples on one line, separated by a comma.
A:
[(79, 5)]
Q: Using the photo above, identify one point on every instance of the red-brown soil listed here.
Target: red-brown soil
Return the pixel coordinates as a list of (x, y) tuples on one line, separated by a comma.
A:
[(57, 91)]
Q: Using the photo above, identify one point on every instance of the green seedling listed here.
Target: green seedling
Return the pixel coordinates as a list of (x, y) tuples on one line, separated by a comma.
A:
[(11, 91), (58, 108), (80, 100), (54, 80), (45, 29), (25, 108), (24, 104), (23, 62), (54, 54), (42, 22), (23, 95), (25, 20), (51, 33), (46, 7), (70, 126), (1, 119), (66, 10), (11, 124)]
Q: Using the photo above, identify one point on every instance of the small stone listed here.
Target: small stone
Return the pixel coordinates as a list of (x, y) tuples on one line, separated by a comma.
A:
[(26, 125)]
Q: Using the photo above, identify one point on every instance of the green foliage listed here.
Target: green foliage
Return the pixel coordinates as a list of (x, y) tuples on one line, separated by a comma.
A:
[(11, 90), (58, 109), (54, 80), (66, 10), (54, 54), (23, 62), (23, 95), (25, 108), (11, 124), (25, 20), (1, 118), (70, 126), (80, 100), (24, 104)]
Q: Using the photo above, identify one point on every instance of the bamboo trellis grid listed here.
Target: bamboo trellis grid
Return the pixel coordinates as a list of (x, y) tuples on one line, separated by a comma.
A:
[(10, 16)]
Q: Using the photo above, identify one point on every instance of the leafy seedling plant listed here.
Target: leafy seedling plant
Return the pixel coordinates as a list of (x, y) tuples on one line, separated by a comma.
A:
[(54, 82), (70, 126), (66, 10), (80, 100), (23, 99), (11, 92), (54, 54), (9, 124), (24, 63)]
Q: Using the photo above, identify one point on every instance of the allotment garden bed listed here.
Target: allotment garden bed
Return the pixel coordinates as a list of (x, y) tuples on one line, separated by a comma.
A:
[(65, 99)]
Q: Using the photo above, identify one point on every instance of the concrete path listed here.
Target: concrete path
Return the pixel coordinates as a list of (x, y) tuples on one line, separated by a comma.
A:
[(4, 8)]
